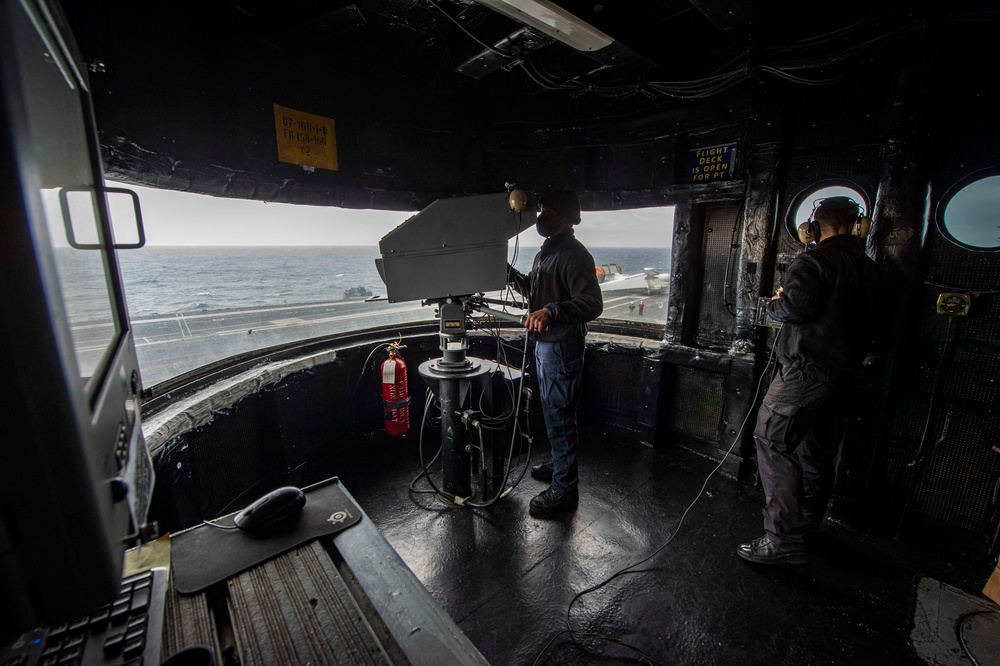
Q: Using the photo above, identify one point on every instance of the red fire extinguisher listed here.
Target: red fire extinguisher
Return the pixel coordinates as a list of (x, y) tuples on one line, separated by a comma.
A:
[(395, 395)]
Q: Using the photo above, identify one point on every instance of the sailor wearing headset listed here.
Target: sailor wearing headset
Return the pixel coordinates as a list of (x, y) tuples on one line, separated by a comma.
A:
[(827, 307)]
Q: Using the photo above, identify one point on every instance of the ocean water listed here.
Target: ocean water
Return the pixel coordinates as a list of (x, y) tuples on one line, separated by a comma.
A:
[(167, 280)]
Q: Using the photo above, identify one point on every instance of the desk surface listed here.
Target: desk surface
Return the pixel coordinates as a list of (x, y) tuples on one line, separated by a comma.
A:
[(344, 599)]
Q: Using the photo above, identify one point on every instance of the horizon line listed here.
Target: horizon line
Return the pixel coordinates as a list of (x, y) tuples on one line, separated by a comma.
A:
[(616, 247)]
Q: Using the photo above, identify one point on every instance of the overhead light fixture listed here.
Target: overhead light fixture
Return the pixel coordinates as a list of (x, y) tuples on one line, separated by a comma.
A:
[(554, 21)]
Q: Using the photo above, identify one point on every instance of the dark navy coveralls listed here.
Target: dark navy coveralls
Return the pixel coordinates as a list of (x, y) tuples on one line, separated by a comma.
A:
[(829, 311)]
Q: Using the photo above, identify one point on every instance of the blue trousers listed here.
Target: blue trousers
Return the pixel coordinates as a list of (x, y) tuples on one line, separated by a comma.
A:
[(560, 379)]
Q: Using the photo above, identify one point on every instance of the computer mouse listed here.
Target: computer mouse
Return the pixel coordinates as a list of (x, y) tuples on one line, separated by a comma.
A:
[(272, 509)]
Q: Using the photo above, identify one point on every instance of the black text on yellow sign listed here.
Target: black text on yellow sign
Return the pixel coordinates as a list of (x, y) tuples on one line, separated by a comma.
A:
[(305, 139), (711, 163)]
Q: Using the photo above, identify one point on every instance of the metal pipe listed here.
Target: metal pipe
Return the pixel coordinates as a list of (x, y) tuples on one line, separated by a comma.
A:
[(454, 457), (496, 301), (506, 316)]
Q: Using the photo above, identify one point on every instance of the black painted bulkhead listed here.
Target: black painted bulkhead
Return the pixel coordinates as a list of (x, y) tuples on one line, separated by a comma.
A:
[(321, 421)]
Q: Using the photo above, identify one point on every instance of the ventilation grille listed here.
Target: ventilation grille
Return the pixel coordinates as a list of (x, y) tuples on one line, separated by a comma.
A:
[(610, 381), (962, 471), (983, 322), (972, 375), (956, 482), (695, 402), (966, 270)]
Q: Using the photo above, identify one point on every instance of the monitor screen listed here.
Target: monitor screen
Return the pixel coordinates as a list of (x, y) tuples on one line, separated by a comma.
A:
[(85, 281), (75, 476)]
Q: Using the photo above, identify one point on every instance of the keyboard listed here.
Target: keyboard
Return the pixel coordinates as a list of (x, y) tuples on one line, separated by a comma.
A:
[(127, 632)]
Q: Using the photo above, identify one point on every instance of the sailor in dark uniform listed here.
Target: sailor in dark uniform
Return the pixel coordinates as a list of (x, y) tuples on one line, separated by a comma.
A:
[(828, 309), (563, 294)]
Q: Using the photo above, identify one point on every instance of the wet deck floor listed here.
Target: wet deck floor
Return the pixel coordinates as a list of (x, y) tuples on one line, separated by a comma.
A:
[(507, 578)]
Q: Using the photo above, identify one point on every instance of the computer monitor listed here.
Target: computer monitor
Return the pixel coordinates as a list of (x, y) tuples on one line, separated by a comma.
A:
[(75, 476)]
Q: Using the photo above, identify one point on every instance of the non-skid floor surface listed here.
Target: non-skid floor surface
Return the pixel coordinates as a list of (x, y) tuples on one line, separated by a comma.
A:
[(507, 578)]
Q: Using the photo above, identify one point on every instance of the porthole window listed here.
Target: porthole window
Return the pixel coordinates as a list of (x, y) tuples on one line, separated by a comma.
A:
[(805, 202), (969, 216)]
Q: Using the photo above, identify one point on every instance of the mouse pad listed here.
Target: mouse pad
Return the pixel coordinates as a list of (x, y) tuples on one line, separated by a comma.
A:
[(204, 555)]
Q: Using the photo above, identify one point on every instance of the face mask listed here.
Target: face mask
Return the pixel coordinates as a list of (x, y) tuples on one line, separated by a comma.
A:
[(546, 223)]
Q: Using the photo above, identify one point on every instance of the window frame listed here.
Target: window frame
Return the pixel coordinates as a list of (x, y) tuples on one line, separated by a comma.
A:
[(804, 194), (950, 193)]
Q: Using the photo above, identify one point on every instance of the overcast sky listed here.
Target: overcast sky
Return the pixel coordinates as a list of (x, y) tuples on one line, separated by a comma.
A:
[(181, 218)]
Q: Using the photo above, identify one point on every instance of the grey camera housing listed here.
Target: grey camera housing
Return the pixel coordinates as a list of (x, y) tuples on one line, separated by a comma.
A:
[(453, 247)]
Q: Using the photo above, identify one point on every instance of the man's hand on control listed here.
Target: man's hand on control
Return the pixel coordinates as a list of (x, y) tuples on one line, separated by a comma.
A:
[(538, 320), (778, 293)]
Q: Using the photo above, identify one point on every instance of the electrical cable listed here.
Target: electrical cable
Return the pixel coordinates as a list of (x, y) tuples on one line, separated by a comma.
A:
[(781, 71), (364, 367), (236, 499), (218, 527), (916, 466), (420, 447), (609, 639), (542, 84), (569, 626), (494, 331), (719, 81), (731, 306), (958, 287), (504, 489), (552, 83), (515, 430), (413, 483), (541, 72), (463, 29), (731, 74), (833, 58), (961, 638), (833, 34), (509, 293), (831, 80)]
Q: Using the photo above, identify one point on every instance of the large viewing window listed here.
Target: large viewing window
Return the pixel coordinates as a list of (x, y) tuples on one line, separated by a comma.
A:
[(224, 277), (969, 214), (632, 250)]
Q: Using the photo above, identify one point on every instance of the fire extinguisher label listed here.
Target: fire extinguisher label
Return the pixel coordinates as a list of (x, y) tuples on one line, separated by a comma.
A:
[(396, 404), (388, 373)]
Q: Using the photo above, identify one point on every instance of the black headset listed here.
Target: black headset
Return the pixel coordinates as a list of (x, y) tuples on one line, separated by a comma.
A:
[(809, 231)]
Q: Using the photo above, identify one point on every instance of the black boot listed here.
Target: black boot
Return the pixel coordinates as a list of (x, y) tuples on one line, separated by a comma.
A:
[(542, 471), (766, 550), (550, 500)]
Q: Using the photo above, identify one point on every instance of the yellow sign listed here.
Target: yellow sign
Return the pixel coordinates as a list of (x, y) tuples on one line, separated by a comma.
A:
[(305, 139)]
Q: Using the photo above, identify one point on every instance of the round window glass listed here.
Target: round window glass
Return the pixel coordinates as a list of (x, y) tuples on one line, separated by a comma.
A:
[(970, 216), (808, 202)]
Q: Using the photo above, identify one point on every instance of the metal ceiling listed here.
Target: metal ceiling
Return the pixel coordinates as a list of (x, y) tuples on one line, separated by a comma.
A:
[(441, 96)]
